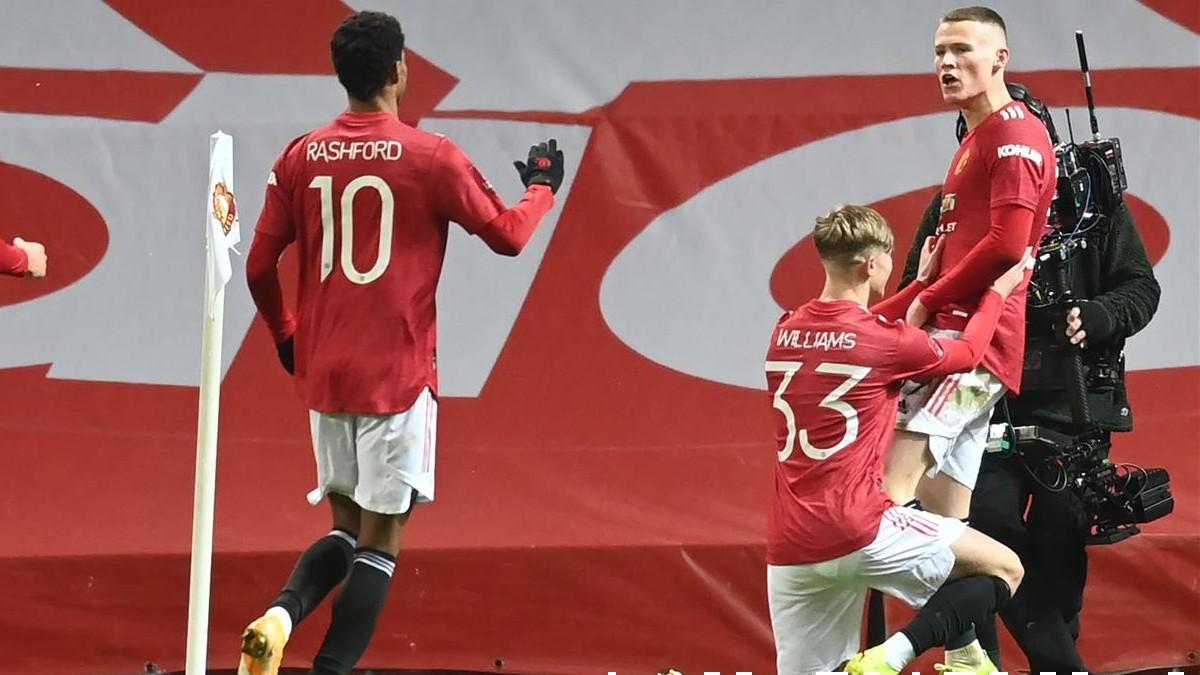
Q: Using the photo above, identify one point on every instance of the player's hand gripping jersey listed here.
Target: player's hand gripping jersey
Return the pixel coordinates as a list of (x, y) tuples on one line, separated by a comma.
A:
[(367, 199), (995, 202), (834, 370)]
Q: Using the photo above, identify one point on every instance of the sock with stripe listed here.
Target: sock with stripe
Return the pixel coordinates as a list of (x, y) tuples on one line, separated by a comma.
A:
[(355, 612), (321, 567)]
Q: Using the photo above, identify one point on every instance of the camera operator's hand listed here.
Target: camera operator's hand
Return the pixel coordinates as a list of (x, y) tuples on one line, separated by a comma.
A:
[(1014, 277), (931, 259), (1094, 316)]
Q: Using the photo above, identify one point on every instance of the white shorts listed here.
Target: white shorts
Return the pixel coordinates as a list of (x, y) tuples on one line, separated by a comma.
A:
[(817, 609), (383, 462), (954, 412)]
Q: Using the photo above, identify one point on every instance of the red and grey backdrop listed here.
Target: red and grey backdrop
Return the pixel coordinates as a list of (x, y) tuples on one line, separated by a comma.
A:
[(605, 454)]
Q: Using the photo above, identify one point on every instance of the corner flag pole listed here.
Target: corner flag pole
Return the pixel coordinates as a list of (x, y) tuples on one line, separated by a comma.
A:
[(221, 234)]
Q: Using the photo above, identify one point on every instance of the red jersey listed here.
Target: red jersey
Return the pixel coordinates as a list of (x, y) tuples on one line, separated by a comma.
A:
[(834, 371), (367, 199), (1005, 162)]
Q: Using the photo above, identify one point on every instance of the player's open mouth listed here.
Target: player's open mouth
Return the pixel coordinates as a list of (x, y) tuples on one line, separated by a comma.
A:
[(949, 80)]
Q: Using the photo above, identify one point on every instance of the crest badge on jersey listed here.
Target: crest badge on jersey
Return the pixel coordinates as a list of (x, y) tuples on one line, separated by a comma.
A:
[(962, 162)]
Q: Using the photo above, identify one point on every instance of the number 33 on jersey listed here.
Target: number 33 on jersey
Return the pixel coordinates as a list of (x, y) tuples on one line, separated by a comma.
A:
[(833, 372)]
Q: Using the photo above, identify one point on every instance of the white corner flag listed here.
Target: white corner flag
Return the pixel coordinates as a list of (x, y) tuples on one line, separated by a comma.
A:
[(221, 234), (224, 229)]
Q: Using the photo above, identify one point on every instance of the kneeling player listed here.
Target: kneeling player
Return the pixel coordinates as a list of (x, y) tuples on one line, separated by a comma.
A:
[(835, 369)]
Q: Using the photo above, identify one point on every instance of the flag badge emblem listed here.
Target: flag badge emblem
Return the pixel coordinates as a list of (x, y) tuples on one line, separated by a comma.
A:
[(224, 207)]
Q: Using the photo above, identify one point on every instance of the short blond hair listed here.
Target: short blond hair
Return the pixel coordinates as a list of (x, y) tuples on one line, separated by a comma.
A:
[(848, 234)]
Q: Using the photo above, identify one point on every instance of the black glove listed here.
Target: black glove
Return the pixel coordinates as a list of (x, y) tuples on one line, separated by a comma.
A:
[(287, 354), (544, 166), (1096, 320)]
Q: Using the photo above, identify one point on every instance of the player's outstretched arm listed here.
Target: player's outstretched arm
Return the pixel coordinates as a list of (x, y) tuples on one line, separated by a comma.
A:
[(1003, 246), (542, 171), (465, 197), (924, 357), (508, 232)]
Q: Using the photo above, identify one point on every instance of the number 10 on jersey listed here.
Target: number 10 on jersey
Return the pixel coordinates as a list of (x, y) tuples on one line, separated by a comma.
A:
[(387, 205)]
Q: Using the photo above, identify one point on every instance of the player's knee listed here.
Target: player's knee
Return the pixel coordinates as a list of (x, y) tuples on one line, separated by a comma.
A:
[(1010, 570)]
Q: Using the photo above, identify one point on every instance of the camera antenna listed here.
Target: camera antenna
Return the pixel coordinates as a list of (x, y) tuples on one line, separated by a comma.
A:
[(1087, 84)]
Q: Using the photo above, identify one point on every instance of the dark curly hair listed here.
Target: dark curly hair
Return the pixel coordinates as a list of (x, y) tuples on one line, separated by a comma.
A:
[(365, 49)]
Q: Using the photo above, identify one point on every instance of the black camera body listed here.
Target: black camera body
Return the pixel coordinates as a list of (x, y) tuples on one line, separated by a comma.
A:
[(1115, 498), (1091, 185), (1091, 180), (1091, 175)]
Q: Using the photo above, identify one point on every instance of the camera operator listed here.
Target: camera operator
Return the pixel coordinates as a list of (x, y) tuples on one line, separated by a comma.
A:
[(1114, 296)]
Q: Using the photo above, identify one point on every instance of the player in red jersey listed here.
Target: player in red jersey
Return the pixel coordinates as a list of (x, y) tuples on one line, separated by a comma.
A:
[(22, 258), (996, 200), (368, 200), (834, 370), (995, 203)]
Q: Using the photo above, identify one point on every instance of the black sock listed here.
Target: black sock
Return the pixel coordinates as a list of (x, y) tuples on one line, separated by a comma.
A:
[(960, 640), (953, 609), (989, 638), (321, 567), (355, 612)]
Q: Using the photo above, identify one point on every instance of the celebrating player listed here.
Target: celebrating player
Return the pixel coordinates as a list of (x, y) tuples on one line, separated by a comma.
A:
[(367, 200), (835, 369), (995, 202)]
